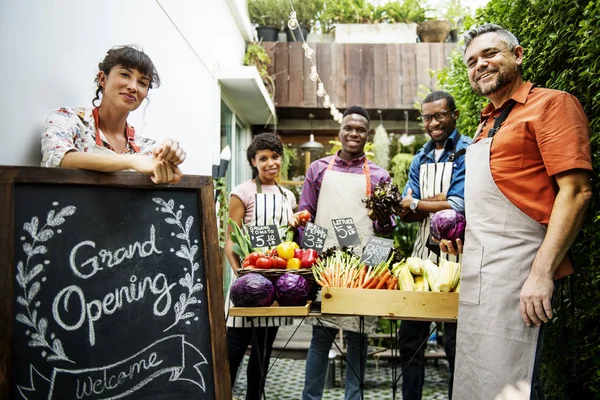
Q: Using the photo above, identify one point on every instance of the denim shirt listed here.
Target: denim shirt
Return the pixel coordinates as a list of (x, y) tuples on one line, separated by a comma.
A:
[(426, 155)]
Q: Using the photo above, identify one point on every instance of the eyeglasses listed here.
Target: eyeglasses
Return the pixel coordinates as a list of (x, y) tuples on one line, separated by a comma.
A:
[(439, 116)]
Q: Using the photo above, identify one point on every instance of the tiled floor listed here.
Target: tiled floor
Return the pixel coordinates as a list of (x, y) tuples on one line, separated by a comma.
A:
[(286, 379)]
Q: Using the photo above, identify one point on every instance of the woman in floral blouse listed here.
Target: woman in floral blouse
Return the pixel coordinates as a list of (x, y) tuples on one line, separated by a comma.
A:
[(99, 138)]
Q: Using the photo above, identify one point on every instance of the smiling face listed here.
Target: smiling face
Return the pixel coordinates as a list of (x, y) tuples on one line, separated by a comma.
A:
[(353, 135), (124, 88), (268, 163), (491, 65), (439, 121)]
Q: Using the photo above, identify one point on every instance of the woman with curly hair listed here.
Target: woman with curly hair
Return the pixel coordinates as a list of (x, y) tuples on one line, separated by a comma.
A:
[(99, 138), (259, 201)]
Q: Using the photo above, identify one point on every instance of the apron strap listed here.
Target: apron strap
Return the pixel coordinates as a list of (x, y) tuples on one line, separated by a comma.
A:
[(366, 172), (259, 187)]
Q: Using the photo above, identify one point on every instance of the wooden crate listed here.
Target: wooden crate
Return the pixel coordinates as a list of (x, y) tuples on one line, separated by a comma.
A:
[(274, 311), (420, 306)]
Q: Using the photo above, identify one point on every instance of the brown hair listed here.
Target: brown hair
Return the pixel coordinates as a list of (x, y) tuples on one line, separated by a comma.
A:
[(128, 57)]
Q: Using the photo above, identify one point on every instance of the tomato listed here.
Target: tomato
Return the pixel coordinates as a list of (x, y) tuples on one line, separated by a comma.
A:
[(279, 263), (294, 263), (252, 257), (264, 263), (245, 263), (250, 266), (285, 250), (304, 216)]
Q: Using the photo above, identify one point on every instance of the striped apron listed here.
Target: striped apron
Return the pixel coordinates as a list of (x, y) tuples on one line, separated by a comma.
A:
[(269, 209), (434, 178)]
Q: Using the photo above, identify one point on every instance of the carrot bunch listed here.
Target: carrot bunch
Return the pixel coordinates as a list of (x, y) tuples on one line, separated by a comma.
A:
[(378, 277), (345, 270), (338, 270)]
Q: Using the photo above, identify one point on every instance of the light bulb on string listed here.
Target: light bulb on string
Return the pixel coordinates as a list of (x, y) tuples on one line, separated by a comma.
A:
[(326, 101), (321, 89), (313, 76), (293, 22), (308, 52)]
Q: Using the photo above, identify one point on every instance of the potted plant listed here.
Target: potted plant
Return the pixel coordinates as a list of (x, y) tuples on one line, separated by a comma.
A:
[(257, 56), (434, 30), (455, 13), (359, 21), (269, 16)]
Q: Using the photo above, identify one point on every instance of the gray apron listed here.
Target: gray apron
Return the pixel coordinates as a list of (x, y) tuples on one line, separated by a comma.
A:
[(341, 196), (269, 209), (494, 346), (434, 178)]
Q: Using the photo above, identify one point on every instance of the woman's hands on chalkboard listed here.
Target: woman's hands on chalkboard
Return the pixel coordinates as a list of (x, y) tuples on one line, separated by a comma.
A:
[(169, 150)]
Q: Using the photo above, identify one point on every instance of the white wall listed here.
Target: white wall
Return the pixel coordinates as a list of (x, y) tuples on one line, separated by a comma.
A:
[(50, 51)]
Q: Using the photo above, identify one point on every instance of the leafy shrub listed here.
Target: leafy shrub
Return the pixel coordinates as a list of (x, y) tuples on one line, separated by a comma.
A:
[(561, 52)]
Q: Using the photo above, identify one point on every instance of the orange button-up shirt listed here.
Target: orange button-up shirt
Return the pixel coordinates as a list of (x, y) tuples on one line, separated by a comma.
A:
[(546, 133)]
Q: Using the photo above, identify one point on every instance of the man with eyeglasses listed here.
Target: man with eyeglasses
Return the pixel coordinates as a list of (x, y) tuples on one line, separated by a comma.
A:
[(526, 192), (436, 182)]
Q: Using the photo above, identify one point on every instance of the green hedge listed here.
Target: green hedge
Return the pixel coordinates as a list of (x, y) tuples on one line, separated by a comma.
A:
[(562, 51)]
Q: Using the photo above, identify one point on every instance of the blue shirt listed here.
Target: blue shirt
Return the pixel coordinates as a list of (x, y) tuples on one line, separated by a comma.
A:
[(426, 155)]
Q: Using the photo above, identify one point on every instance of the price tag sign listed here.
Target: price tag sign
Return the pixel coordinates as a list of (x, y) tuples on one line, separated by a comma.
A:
[(264, 235), (376, 251), (345, 231), (314, 237)]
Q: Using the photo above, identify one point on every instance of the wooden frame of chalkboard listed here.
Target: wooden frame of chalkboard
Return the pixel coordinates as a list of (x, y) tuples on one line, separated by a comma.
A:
[(12, 180)]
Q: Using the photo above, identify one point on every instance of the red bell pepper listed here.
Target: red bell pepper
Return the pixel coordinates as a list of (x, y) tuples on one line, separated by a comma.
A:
[(298, 254), (309, 257)]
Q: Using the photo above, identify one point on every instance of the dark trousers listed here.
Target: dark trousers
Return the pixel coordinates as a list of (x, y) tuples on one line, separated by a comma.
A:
[(411, 335), (238, 340)]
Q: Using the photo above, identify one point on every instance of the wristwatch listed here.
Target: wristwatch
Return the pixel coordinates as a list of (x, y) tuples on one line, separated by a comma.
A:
[(414, 204)]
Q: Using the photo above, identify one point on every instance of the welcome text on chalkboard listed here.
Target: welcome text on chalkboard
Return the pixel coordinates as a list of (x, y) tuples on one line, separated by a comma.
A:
[(264, 235), (102, 302), (345, 231), (314, 237)]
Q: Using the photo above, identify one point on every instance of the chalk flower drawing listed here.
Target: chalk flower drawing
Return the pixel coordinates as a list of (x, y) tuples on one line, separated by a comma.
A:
[(187, 251), (28, 278)]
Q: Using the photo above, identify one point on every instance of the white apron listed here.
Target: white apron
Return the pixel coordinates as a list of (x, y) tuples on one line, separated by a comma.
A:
[(494, 346), (434, 178), (269, 209), (341, 196)]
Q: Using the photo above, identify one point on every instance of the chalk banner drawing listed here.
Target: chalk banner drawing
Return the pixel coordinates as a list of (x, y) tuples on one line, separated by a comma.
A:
[(110, 296)]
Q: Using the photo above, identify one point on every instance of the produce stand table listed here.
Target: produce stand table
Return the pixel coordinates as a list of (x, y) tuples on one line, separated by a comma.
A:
[(394, 305)]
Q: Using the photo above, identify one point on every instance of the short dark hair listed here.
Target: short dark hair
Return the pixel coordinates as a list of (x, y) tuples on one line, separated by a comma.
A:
[(357, 110), (507, 37), (440, 95), (263, 141), (128, 57)]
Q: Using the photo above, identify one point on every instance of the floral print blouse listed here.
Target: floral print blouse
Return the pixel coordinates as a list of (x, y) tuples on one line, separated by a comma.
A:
[(75, 129)]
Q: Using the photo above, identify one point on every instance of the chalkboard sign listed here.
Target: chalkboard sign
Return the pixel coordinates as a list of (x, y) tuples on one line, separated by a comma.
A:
[(314, 237), (264, 235), (377, 250), (113, 287), (345, 231)]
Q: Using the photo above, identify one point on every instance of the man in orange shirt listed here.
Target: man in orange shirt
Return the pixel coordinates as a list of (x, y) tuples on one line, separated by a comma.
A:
[(527, 189)]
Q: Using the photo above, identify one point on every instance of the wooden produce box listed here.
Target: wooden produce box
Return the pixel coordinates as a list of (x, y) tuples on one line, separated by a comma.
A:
[(397, 304), (274, 311)]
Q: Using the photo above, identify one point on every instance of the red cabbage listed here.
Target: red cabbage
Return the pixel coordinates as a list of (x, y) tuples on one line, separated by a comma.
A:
[(291, 290), (448, 225), (252, 290)]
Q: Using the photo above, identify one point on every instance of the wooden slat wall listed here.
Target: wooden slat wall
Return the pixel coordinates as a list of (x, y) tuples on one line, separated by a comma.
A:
[(385, 76)]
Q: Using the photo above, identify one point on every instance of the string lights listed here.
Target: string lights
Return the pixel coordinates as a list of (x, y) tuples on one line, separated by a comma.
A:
[(314, 75)]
